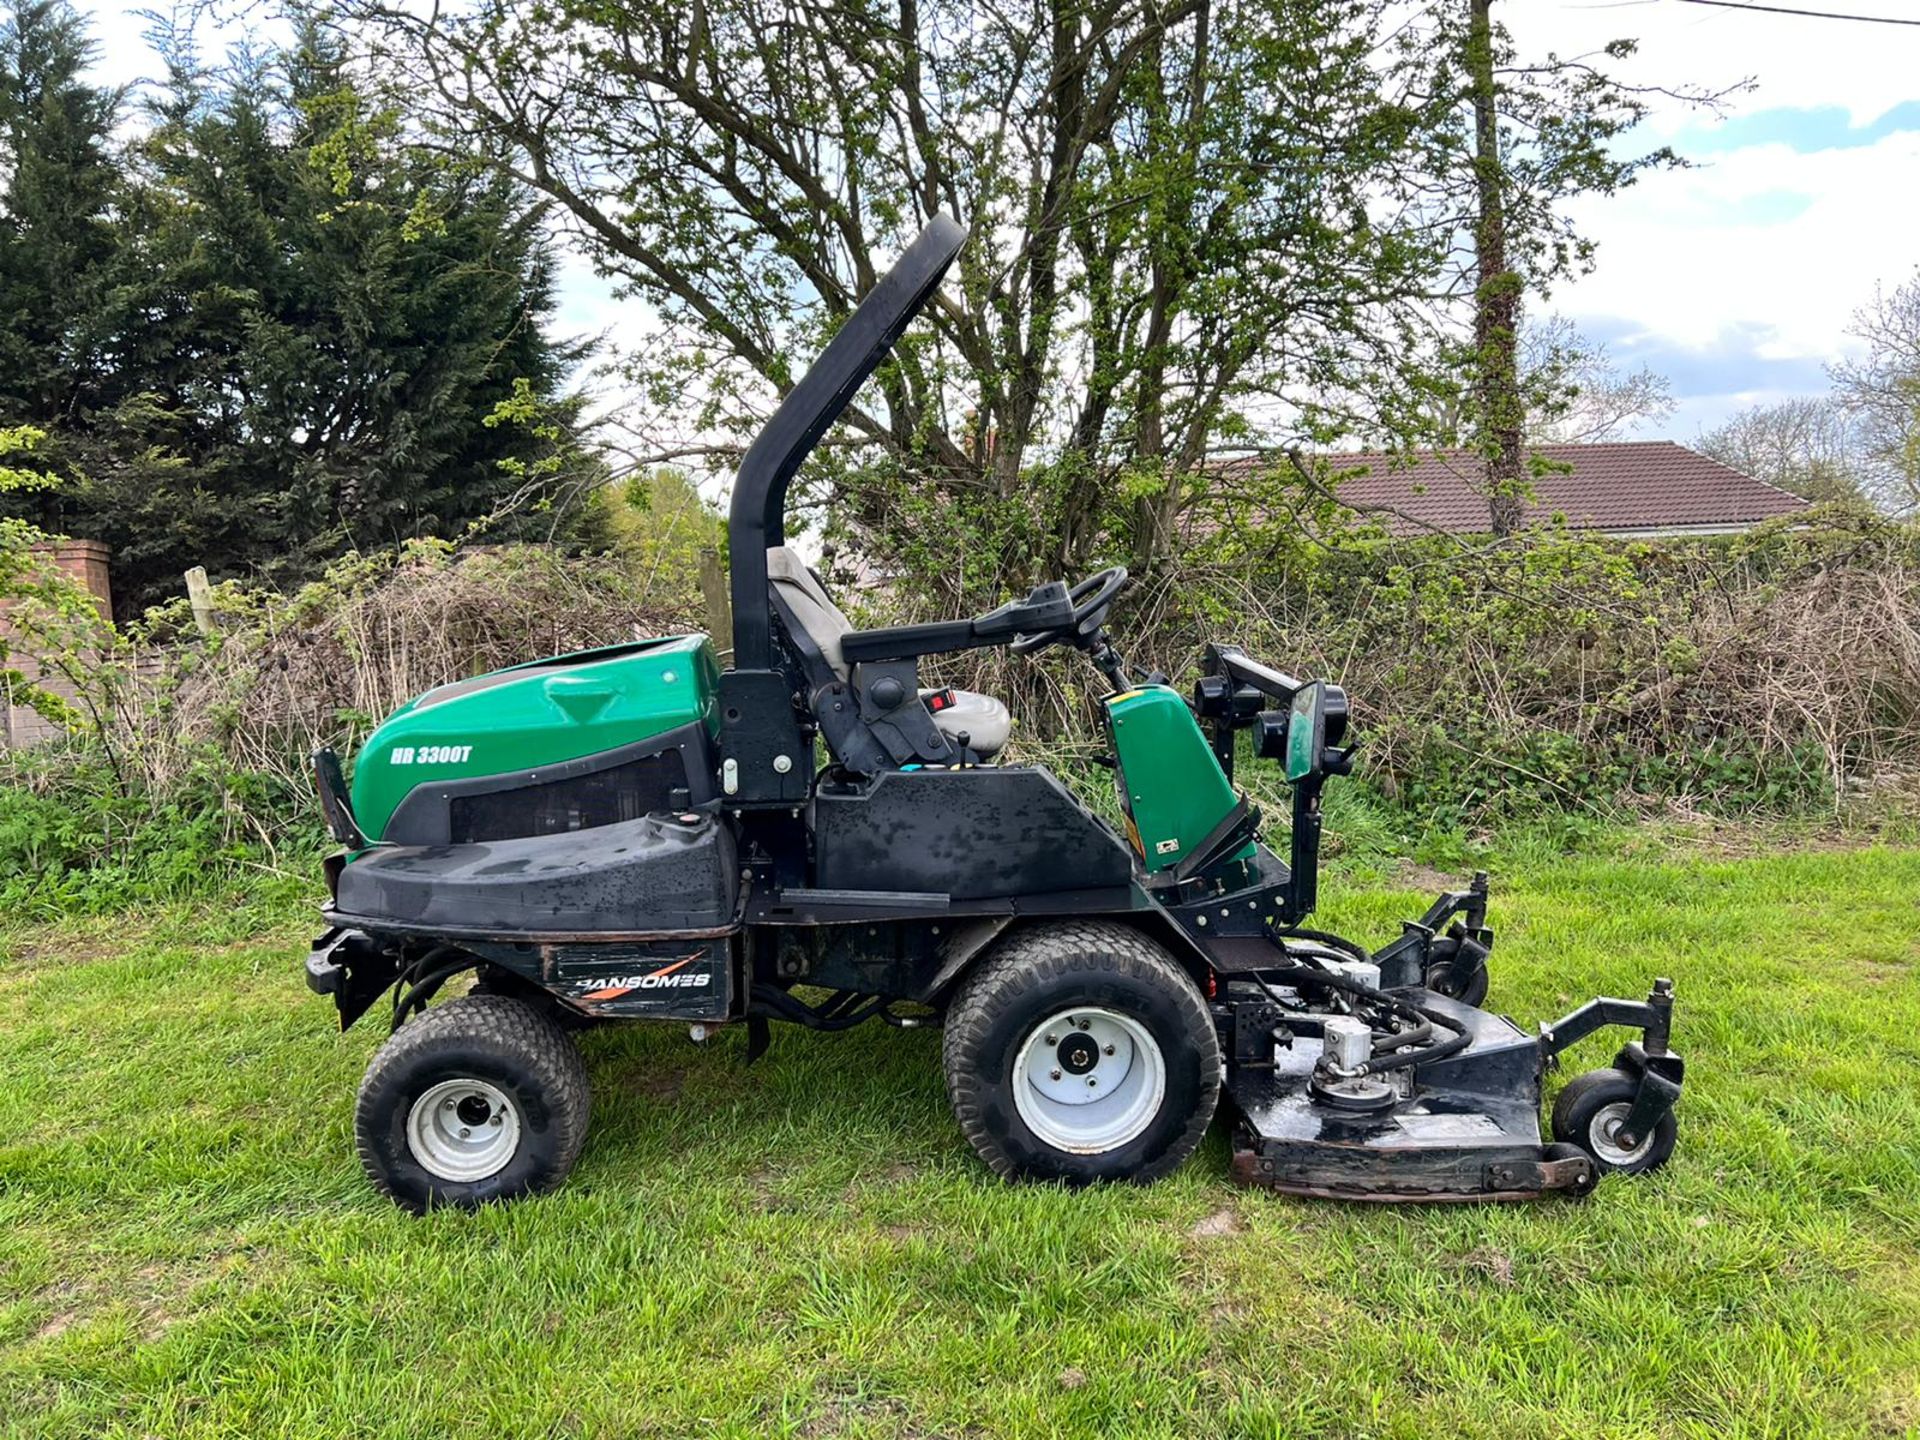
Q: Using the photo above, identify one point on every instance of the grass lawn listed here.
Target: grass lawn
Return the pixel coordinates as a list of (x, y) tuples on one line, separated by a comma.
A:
[(807, 1248)]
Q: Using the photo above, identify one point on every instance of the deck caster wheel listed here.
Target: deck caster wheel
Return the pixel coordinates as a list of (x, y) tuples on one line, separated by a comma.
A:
[(1589, 1114), (1458, 971), (481, 1099), (1081, 1052)]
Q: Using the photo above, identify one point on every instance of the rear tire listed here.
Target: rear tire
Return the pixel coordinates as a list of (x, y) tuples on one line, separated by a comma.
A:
[(478, 1100), (493, 980), (1085, 1004)]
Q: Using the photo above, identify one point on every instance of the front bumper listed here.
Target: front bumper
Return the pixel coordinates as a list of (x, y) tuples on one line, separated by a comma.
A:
[(352, 967)]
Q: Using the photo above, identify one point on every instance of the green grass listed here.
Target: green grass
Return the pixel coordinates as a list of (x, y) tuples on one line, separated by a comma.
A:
[(806, 1247)]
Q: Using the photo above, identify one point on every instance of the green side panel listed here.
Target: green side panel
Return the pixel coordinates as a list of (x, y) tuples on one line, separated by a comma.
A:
[(1170, 784), (535, 714)]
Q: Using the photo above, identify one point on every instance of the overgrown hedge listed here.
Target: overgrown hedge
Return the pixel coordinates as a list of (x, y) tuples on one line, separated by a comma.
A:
[(1772, 673), (1769, 672)]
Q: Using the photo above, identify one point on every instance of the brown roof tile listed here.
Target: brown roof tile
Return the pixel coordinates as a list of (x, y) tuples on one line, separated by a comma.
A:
[(1626, 485)]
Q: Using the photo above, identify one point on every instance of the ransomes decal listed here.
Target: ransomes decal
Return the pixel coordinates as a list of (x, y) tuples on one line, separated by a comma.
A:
[(429, 754), (670, 977)]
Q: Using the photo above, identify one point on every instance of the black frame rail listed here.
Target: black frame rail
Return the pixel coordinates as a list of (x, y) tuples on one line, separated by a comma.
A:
[(759, 725)]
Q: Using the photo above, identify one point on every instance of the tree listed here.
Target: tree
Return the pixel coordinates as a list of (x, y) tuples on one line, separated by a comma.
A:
[(1192, 228), (1524, 137), (1576, 394), (1808, 445), (60, 186), (1499, 411), (1881, 391), (310, 322)]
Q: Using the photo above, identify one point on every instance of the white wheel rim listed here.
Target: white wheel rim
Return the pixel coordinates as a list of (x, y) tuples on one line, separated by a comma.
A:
[(463, 1130), (1088, 1080), (1602, 1129)]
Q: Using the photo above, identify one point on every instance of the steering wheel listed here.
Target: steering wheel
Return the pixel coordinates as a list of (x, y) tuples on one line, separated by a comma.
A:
[(1090, 599)]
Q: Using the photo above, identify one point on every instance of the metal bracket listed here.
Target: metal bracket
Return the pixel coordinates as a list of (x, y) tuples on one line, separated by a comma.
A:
[(1661, 1076), (1574, 1172), (1653, 1017)]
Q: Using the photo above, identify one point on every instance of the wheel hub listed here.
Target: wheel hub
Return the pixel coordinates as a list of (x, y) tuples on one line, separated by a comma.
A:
[(1078, 1053), (463, 1130), (1088, 1080), (1603, 1136)]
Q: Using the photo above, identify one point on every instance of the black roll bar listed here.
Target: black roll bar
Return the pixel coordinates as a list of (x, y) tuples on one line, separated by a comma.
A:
[(757, 516)]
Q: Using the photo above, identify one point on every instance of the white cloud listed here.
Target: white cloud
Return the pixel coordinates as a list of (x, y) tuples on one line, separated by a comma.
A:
[(1748, 267), (1766, 237)]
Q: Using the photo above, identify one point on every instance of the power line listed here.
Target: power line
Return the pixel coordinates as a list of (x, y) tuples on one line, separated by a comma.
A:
[(1811, 14)]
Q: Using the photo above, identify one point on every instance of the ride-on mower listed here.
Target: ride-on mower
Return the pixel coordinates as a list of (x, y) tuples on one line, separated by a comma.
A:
[(634, 834)]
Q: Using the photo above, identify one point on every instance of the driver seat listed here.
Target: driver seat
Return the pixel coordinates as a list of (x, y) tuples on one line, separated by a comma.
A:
[(817, 624)]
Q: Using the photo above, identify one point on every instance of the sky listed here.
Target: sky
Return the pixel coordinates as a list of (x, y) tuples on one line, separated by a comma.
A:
[(1736, 277)]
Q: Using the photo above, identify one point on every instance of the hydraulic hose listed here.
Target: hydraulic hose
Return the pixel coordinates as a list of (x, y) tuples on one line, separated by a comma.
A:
[(1401, 1039), (1452, 1045), (1400, 1059)]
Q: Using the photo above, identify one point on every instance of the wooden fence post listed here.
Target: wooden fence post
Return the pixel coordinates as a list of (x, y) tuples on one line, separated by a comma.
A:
[(200, 595), (713, 589)]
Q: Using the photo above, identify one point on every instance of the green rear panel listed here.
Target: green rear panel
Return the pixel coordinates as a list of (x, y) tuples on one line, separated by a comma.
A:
[(1170, 785), (535, 714)]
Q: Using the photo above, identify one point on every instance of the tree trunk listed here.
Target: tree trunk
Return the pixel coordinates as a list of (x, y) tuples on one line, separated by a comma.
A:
[(1496, 300)]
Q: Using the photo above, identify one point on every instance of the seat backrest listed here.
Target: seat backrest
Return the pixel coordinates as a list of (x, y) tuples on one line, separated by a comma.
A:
[(805, 604)]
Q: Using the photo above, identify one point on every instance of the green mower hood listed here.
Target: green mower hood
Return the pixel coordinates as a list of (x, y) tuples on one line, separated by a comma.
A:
[(541, 713)]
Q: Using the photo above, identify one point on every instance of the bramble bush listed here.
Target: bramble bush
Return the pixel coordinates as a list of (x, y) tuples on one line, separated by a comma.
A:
[(1554, 674), (1773, 671)]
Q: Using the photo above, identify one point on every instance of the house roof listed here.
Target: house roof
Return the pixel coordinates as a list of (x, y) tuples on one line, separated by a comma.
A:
[(1633, 487)]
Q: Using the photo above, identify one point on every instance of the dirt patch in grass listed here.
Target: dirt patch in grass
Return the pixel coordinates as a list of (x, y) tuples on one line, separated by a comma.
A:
[(662, 1086), (840, 1410), (1408, 875), (1896, 1411), (54, 1328), (1221, 1222), (24, 959), (1489, 1264)]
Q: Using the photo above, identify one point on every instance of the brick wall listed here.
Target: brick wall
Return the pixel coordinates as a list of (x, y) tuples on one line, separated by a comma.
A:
[(86, 561)]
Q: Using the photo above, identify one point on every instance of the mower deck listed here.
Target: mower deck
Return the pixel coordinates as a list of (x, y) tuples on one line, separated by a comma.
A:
[(1468, 1130)]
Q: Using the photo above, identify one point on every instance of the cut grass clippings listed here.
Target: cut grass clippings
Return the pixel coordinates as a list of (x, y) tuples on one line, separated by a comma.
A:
[(807, 1248)]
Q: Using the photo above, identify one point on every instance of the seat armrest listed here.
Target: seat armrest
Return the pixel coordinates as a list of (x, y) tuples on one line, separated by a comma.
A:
[(906, 642), (1046, 608)]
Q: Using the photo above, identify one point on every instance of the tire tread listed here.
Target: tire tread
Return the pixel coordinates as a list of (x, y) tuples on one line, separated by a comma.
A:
[(1048, 952), (498, 1021)]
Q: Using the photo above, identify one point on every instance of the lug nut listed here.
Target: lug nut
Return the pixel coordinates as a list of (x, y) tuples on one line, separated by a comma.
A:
[(1109, 1050), (1053, 1074), (465, 1134), (1092, 1081), (450, 1104), (1084, 1024), (1053, 1039), (495, 1122)]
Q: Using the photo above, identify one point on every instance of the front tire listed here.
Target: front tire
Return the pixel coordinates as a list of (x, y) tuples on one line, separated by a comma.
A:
[(481, 1099), (1081, 1052)]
